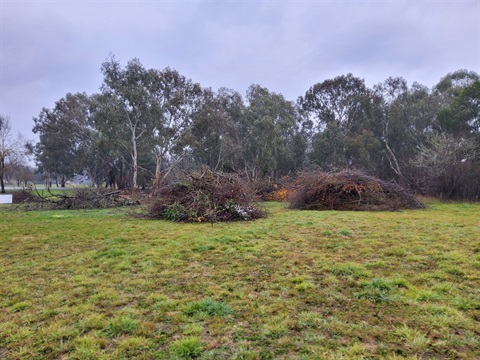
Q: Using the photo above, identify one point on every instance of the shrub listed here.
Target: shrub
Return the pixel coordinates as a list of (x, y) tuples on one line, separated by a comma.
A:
[(349, 190)]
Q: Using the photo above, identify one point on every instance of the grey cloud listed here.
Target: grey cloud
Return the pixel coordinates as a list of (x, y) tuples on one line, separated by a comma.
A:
[(51, 48)]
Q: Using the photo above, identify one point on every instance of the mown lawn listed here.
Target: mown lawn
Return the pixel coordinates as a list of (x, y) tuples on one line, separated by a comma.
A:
[(102, 284)]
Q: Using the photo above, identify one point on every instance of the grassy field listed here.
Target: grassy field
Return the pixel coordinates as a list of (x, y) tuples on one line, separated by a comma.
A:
[(102, 284)]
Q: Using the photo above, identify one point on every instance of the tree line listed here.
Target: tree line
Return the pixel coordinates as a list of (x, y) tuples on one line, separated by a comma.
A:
[(146, 122)]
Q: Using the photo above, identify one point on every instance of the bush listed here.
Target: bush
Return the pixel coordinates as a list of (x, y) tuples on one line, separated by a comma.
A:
[(349, 190), (205, 196)]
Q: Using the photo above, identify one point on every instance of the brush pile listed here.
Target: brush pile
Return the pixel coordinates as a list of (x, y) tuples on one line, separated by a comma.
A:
[(349, 190), (205, 196), (24, 196), (76, 199)]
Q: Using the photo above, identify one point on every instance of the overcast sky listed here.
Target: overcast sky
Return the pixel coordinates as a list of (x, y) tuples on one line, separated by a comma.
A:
[(51, 48)]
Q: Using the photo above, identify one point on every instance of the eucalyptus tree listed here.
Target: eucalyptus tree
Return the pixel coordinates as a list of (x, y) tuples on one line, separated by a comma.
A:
[(274, 145), (445, 92), (110, 156), (65, 137), (338, 109), (174, 99), (215, 132), (390, 106), (462, 116), (340, 100), (453, 83), (406, 116), (127, 108)]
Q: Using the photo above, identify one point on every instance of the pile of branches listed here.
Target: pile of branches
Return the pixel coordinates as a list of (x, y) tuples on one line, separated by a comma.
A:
[(272, 191), (205, 196), (349, 190), (24, 196), (82, 198)]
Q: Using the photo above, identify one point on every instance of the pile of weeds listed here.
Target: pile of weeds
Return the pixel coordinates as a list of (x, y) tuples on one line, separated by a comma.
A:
[(349, 190), (205, 196)]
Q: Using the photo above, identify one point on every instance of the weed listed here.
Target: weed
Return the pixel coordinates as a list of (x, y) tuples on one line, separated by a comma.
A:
[(345, 232), (378, 290), (121, 325), (427, 295), (349, 269), (207, 306), (414, 339), (304, 286), (20, 306), (203, 248), (88, 347), (187, 348), (309, 319), (192, 329), (134, 347)]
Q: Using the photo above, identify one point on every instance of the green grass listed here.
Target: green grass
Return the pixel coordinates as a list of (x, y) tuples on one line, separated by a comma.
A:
[(101, 284)]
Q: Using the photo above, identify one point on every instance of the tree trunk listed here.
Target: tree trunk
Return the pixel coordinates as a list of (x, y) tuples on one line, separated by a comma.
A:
[(2, 172), (158, 170), (134, 161)]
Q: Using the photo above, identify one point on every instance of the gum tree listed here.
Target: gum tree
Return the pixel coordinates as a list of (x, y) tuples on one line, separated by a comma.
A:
[(65, 137), (126, 113)]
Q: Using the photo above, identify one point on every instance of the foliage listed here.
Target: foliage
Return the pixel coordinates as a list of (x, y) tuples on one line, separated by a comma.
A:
[(276, 144), (65, 137), (147, 123), (339, 108), (205, 195), (448, 167), (215, 135), (129, 112), (175, 100), (349, 190), (462, 116)]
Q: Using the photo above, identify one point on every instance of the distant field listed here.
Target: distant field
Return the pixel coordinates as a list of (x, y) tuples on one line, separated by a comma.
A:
[(102, 284)]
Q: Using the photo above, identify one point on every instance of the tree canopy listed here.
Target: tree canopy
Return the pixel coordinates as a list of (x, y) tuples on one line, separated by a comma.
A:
[(146, 122)]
